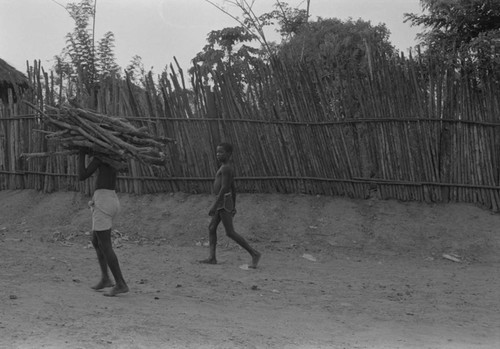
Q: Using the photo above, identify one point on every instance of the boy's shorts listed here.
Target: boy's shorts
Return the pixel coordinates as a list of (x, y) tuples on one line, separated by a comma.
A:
[(227, 203), (105, 206)]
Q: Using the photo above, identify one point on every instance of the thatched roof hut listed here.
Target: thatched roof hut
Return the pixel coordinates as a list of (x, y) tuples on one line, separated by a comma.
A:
[(13, 79)]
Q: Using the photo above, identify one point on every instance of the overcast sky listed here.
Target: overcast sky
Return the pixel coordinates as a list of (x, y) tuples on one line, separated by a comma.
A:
[(158, 30)]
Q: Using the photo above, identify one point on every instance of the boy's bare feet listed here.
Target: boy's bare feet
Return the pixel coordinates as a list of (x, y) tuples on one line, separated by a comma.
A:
[(255, 260), (208, 261), (103, 284), (117, 290)]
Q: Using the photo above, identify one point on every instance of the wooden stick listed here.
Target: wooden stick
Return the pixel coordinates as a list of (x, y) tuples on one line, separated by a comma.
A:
[(29, 156)]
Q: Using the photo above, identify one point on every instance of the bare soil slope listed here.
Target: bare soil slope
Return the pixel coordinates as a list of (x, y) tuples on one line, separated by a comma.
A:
[(335, 273)]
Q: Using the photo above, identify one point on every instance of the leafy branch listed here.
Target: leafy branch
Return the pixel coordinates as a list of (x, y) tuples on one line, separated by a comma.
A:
[(252, 23)]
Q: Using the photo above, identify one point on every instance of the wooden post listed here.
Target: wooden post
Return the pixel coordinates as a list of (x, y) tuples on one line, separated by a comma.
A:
[(215, 136)]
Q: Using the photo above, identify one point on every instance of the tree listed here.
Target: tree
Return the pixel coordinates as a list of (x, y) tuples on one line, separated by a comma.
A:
[(78, 55), (135, 70), (105, 58), (226, 48), (289, 20), (336, 49), (80, 63), (327, 43), (251, 23), (467, 30), (335, 45)]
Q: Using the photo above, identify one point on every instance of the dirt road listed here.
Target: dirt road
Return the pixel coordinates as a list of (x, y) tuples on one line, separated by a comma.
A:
[(335, 273)]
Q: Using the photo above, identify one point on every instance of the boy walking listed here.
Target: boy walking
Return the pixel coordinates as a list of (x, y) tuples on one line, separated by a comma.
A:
[(223, 208)]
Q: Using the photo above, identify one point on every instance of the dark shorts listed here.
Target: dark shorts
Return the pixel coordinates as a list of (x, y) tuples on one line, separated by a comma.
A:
[(227, 203)]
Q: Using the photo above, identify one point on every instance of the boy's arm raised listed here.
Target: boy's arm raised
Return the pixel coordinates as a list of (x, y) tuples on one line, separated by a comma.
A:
[(86, 172)]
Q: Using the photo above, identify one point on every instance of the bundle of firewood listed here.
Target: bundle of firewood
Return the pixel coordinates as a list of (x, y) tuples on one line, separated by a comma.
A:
[(112, 139)]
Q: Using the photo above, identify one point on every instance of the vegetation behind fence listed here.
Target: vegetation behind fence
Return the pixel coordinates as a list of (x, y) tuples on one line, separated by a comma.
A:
[(412, 130)]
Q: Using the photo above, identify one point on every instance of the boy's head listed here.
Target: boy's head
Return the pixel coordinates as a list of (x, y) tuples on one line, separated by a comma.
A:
[(224, 152), (228, 148)]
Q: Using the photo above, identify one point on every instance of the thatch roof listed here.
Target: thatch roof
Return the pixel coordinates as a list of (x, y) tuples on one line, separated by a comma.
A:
[(10, 78)]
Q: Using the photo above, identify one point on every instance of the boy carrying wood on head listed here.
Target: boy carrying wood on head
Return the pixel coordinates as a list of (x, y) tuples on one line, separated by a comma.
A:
[(105, 206), (224, 209)]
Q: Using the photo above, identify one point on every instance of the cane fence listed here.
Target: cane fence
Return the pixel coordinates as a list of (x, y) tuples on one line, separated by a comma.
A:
[(410, 130)]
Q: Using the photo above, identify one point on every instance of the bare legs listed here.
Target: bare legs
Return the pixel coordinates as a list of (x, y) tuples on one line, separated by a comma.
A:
[(227, 221), (105, 280), (101, 240), (212, 239)]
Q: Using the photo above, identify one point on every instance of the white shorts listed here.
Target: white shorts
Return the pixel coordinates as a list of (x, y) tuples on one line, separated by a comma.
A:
[(105, 206)]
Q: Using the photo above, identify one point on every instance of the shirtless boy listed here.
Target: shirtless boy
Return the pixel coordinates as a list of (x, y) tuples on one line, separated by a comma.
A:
[(105, 206), (223, 208)]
